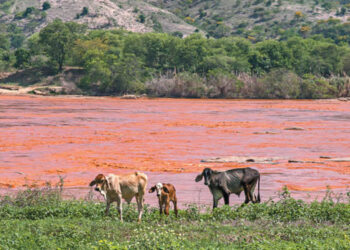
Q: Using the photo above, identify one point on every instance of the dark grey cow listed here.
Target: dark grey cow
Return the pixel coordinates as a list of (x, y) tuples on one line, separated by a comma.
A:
[(222, 184)]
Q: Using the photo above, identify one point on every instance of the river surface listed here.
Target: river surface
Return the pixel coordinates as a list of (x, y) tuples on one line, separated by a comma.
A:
[(76, 138)]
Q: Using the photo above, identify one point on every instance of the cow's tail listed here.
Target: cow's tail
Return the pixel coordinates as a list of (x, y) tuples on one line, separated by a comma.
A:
[(258, 200)]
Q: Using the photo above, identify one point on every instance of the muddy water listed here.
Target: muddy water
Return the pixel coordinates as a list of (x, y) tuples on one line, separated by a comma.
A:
[(42, 138)]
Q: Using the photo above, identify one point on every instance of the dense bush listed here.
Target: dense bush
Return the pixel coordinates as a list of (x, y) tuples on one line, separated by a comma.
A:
[(46, 5)]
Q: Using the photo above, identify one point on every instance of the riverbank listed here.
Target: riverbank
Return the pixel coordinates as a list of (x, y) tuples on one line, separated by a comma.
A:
[(41, 219), (278, 84)]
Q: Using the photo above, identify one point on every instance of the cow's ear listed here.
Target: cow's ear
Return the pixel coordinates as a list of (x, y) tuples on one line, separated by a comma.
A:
[(199, 177), (165, 190), (152, 189), (92, 183)]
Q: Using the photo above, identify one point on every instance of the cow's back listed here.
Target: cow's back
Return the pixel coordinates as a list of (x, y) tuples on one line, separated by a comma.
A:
[(133, 184), (142, 182)]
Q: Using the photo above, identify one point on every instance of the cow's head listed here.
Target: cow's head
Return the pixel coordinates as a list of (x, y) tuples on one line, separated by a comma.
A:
[(159, 187), (207, 172), (101, 183)]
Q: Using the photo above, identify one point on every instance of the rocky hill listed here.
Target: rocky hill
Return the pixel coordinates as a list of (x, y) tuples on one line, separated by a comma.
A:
[(254, 19), (133, 15)]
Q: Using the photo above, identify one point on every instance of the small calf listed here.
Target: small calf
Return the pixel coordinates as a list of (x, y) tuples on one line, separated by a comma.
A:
[(165, 192)]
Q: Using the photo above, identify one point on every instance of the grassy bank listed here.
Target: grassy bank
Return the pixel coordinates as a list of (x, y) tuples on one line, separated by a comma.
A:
[(41, 219)]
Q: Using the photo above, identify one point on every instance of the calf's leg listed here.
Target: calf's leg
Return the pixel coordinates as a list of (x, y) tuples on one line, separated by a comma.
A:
[(175, 207), (160, 206), (167, 206)]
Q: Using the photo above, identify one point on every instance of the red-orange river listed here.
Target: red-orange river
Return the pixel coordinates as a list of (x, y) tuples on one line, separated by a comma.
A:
[(42, 138)]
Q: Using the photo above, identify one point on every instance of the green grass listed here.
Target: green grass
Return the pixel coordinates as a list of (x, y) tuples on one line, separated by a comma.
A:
[(39, 219)]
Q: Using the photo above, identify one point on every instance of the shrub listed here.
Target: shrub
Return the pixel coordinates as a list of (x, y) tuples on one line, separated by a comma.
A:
[(223, 85), (46, 6), (181, 85), (281, 83), (85, 11), (141, 18), (312, 88)]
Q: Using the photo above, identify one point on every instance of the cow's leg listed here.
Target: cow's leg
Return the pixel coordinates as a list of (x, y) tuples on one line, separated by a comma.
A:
[(120, 207), (253, 197), (217, 195), (108, 204), (226, 198), (215, 202), (249, 188), (139, 200), (246, 193)]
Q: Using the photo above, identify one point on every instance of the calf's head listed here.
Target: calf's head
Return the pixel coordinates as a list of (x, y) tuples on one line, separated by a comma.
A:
[(159, 188), (101, 183), (207, 172)]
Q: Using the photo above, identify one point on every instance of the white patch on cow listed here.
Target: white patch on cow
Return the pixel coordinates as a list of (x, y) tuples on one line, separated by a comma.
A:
[(159, 187), (104, 194)]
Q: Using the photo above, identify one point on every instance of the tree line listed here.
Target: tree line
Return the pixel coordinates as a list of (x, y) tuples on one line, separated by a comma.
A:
[(117, 62)]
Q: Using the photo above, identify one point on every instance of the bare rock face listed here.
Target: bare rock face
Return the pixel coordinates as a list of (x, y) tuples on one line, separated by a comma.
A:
[(243, 159), (102, 14)]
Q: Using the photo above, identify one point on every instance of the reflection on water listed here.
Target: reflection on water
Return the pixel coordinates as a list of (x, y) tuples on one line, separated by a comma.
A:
[(43, 137)]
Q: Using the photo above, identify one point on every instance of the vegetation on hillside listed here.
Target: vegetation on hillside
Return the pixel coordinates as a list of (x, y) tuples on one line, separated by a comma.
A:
[(257, 19), (39, 218)]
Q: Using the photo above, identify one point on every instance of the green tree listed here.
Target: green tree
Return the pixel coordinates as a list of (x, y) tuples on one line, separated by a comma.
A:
[(46, 6), (57, 39), (17, 40), (22, 58), (4, 42), (85, 11), (142, 18)]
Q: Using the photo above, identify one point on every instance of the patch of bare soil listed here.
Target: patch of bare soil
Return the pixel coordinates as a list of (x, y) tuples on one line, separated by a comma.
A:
[(41, 82)]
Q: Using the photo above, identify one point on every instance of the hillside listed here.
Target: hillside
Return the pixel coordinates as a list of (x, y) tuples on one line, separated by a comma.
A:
[(132, 15), (254, 19)]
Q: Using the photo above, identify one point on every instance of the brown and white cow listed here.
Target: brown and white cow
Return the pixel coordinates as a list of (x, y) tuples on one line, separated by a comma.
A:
[(115, 187), (165, 192)]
